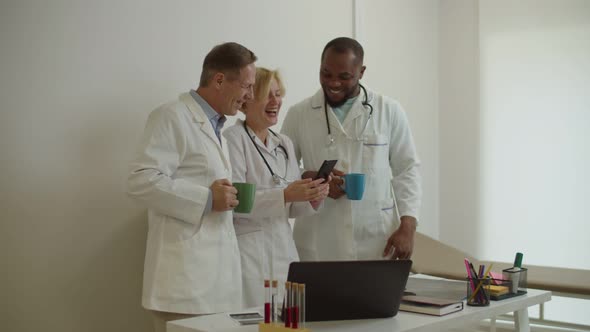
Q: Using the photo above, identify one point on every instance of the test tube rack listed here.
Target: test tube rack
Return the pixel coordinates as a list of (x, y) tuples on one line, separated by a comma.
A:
[(277, 327)]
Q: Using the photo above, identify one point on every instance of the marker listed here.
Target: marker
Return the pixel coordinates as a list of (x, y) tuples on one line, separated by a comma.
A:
[(518, 260)]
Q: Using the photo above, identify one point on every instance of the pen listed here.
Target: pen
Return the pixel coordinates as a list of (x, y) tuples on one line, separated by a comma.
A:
[(469, 275), (473, 272), (480, 283), (480, 276)]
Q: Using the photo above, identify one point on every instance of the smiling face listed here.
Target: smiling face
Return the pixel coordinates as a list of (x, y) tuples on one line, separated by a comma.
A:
[(236, 92), (340, 73), (263, 112)]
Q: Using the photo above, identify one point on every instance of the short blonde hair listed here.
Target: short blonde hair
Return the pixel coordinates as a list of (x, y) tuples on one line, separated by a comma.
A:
[(262, 85)]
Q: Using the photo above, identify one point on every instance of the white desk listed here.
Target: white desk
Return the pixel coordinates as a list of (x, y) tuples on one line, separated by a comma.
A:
[(403, 321)]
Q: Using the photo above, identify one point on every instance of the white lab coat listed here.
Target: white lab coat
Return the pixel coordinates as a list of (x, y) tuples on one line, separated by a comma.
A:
[(346, 229), (192, 262), (267, 226)]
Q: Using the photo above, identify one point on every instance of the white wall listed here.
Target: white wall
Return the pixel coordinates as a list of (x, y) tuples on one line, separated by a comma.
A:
[(514, 126), (401, 54), (459, 123), (514, 123), (78, 80), (535, 129)]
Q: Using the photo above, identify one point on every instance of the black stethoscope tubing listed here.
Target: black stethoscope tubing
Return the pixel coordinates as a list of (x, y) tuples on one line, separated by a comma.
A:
[(365, 103), (275, 177)]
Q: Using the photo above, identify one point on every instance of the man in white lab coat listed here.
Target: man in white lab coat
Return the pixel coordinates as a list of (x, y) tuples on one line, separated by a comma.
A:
[(181, 173), (367, 133)]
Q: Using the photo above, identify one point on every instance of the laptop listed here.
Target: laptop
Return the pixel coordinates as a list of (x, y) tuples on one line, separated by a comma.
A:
[(342, 290)]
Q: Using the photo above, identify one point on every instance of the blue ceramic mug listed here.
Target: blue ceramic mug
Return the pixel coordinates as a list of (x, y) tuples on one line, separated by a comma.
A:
[(354, 185)]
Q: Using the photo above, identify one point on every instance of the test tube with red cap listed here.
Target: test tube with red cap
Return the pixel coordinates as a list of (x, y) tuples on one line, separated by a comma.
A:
[(301, 306), (294, 305), (287, 305), (266, 301), (273, 301)]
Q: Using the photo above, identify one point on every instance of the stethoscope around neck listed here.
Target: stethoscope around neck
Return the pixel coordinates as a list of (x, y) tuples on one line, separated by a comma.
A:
[(365, 104), (277, 179)]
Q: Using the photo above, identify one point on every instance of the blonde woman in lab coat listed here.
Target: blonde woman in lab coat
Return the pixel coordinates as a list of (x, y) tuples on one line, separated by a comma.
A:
[(262, 156)]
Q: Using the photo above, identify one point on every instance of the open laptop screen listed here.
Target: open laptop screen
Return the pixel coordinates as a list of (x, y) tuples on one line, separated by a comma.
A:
[(341, 290)]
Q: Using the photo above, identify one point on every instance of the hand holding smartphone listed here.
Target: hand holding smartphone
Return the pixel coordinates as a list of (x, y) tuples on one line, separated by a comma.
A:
[(325, 169)]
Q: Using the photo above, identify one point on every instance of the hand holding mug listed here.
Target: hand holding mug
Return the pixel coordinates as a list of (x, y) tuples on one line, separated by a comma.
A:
[(336, 190), (224, 195), (354, 186), (246, 195)]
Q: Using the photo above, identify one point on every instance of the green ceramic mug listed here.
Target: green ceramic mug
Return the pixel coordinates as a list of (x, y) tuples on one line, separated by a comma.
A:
[(246, 194)]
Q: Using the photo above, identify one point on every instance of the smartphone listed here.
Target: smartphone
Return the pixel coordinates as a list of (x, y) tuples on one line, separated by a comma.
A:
[(326, 169)]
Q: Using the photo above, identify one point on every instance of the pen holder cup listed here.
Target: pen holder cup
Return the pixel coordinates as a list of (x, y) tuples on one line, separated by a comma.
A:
[(516, 279), (478, 293)]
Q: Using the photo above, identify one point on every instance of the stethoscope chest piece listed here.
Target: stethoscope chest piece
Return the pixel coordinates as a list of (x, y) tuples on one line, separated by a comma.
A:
[(277, 179)]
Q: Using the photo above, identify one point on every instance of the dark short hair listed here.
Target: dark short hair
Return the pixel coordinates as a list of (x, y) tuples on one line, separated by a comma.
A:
[(227, 58), (342, 45)]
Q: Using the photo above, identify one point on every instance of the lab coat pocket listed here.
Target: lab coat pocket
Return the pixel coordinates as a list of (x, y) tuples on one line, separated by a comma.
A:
[(181, 271), (176, 231), (390, 222), (252, 254), (244, 226), (371, 236), (375, 152)]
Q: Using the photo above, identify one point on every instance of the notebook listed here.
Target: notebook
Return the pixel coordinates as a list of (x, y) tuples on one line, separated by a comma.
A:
[(343, 290), (430, 305)]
